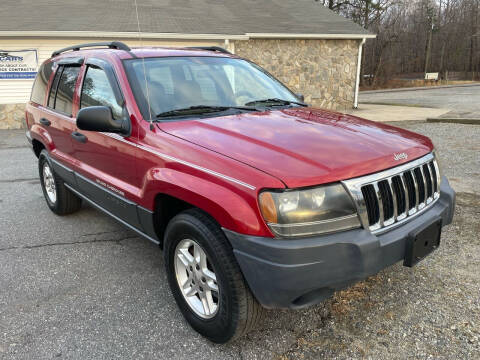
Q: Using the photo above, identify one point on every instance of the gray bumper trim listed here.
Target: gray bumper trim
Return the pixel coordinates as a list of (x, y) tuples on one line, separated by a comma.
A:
[(300, 272)]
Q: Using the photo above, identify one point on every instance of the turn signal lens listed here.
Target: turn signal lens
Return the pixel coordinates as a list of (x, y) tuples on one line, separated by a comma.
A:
[(268, 208)]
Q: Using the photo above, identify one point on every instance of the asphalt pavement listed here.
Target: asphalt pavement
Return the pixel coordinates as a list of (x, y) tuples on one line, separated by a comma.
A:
[(461, 101), (84, 287)]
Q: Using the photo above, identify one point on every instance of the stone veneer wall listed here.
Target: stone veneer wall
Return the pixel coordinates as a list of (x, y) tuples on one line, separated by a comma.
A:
[(12, 116), (324, 71)]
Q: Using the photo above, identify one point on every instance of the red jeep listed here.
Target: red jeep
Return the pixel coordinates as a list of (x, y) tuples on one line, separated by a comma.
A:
[(256, 199)]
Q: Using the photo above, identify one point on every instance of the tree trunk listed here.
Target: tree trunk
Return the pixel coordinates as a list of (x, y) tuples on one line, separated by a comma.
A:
[(428, 49)]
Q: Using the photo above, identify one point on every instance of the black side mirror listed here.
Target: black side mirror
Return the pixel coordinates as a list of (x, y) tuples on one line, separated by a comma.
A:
[(300, 97), (100, 118)]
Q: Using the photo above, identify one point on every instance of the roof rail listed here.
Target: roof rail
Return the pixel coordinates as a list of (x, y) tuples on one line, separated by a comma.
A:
[(110, 44), (211, 48)]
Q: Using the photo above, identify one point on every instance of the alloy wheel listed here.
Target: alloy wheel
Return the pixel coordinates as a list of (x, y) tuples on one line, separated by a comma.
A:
[(49, 183), (196, 279)]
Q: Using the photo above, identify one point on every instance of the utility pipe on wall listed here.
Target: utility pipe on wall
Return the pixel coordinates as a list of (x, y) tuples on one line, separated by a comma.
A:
[(359, 66)]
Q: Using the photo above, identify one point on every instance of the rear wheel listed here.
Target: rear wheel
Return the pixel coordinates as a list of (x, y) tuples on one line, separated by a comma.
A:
[(206, 280), (59, 199)]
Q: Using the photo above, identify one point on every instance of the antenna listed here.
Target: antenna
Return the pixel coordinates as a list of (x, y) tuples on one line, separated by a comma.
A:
[(144, 70)]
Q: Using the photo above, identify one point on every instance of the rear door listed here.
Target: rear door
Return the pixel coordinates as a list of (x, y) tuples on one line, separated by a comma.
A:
[(57, 116), (105, 161)]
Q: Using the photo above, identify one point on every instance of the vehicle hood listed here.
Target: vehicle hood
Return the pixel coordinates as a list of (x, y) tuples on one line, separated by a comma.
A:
[(304, 146)]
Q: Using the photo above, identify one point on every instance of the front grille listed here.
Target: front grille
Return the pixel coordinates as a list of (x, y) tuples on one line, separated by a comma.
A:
[(385, 198)]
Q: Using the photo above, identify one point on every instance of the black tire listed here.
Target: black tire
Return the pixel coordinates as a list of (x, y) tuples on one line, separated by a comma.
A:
[(66, 202), (238, 310)]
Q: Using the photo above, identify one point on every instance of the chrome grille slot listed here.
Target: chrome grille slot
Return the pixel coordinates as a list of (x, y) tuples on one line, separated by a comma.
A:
[(384, 199), (387, 199), (400, 194), (421, 185), (428, 180), (411, 188), (434, 177), (370, 197)]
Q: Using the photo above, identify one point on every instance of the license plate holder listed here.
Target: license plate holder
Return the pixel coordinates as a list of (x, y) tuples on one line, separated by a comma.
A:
[(422, 243)]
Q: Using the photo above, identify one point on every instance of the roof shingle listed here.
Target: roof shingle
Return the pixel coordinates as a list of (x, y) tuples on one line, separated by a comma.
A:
[(229, 17)]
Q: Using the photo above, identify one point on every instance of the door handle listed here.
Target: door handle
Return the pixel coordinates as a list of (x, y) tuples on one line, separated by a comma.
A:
[(79, 137), (45, 122)]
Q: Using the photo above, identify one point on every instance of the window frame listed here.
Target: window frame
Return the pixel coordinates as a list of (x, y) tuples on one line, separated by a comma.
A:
[(59, 66), (109, 71), (54, 87), (70, 114)]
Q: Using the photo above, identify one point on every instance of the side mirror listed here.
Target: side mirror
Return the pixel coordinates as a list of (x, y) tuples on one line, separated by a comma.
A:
[(300, 97), (100, 118)]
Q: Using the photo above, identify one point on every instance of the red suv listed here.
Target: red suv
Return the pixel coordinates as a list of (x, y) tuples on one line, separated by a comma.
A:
[(257, 200)]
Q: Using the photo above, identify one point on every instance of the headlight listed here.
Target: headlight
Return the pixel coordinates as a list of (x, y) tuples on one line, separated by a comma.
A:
[(319, 210)]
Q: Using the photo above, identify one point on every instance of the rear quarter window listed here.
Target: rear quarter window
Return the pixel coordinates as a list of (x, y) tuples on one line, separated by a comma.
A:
[(40, 85)]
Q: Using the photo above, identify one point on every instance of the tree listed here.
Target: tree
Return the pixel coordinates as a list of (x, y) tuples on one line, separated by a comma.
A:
[(416, 36)]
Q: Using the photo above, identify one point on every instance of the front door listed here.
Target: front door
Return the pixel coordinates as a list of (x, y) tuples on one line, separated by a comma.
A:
[(105, 162)]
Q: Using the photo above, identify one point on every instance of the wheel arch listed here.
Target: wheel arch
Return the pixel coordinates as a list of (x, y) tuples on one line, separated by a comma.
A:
[(41, 139), (169, 192), (37, 147)]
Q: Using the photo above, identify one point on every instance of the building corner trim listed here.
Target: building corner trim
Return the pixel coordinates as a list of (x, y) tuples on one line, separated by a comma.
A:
[(359, 66)]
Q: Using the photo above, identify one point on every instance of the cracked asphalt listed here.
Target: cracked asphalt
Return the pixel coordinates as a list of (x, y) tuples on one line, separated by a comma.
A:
[(83, 287)]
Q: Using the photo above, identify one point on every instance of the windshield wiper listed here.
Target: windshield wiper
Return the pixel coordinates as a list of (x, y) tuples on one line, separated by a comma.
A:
[(275, 101), (201, 109)]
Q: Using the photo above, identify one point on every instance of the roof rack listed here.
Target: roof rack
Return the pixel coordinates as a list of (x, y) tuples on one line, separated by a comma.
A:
[(211, 48), (110, 44)]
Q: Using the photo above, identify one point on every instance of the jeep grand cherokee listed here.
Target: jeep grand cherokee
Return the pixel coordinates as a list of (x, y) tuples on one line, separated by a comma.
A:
[(258, 200)]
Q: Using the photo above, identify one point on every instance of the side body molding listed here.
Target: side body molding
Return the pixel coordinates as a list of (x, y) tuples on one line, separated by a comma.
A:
[(128, 213)]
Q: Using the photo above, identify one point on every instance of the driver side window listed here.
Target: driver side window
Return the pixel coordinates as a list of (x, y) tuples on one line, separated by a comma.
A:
[(97, 91)]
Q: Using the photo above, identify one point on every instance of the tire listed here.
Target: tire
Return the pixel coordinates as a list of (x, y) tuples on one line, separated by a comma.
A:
[(237, 311), (63, 201)]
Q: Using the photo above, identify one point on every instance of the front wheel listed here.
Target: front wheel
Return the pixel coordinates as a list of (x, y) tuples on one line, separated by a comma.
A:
[(206, 280)]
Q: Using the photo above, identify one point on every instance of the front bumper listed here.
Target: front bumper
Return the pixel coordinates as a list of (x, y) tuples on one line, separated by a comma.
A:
[(301, 272)]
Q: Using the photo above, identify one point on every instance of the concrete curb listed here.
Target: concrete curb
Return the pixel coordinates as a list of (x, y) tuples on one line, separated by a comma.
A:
[(386, 103), (467, 121), (418, 88)]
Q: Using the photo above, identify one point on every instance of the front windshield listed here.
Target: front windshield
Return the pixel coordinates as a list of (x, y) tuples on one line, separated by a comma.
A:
[(173, 83)]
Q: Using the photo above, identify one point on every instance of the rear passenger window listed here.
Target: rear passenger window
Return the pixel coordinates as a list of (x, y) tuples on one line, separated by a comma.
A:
[(41, 83), (53, 88), (65, 89), (97, 91)]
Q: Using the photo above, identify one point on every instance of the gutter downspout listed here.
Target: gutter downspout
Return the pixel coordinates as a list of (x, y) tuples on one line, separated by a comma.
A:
[(230, 46), (359, 66)]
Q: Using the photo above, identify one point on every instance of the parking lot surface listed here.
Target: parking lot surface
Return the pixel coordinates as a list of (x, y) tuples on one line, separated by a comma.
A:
[(462, 101), (83, 287)]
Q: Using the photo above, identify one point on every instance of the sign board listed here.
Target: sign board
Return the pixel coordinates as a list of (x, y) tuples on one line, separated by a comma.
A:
[(431, 76), (18, 64)]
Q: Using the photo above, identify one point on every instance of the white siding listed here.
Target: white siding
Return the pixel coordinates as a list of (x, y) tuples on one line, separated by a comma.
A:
[(18, 91)]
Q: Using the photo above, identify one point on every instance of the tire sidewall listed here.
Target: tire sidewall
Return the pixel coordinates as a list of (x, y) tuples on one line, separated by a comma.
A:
[(42, 159), (222, 326)]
